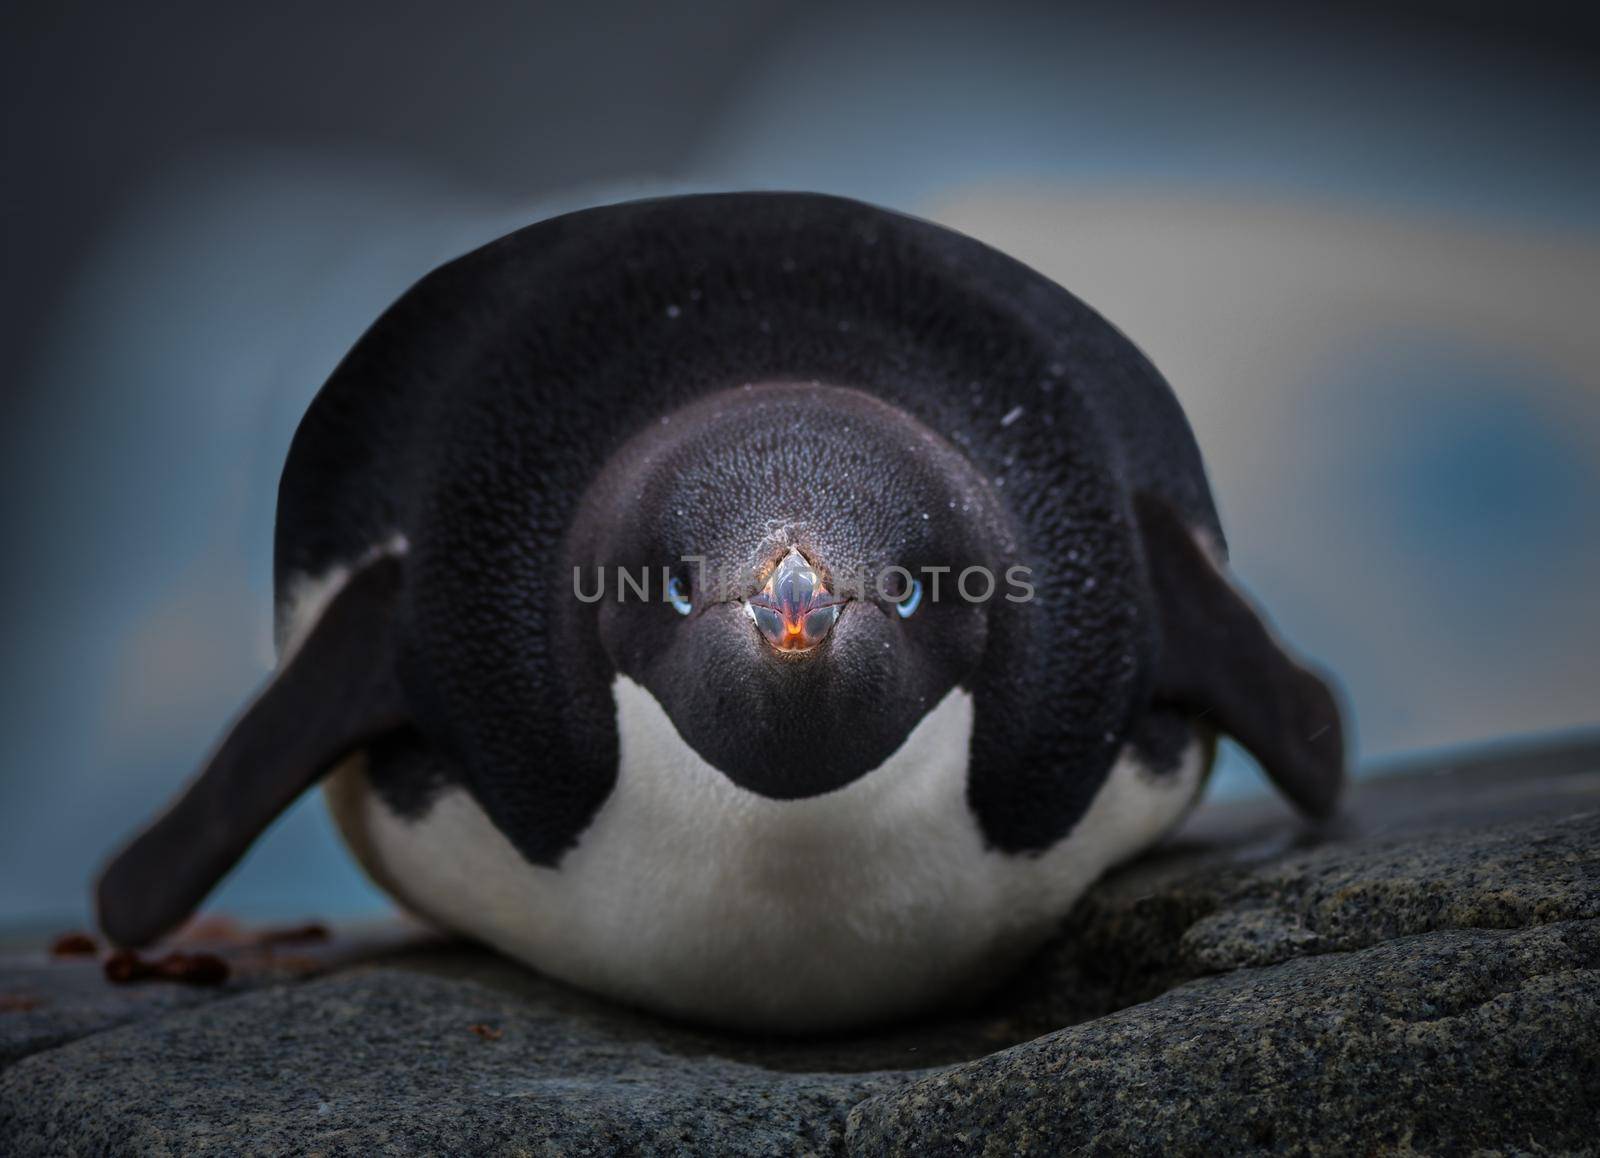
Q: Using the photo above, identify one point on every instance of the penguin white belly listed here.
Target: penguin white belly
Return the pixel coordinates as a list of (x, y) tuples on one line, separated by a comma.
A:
[(691, 895)]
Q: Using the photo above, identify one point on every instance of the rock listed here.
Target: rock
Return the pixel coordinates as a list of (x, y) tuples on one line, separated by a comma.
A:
[(387, 1059), (47, 1001), (44, 1004), (1423, 976), (1454, 1040)]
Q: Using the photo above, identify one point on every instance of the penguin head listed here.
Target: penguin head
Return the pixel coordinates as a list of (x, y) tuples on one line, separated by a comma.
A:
[(778, 567)]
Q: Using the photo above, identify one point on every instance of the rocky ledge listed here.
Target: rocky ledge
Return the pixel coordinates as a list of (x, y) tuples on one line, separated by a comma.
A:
[(1421, 976)]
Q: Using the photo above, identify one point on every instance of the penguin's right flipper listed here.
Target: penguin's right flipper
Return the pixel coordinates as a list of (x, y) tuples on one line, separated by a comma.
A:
[(337, 692), (1220, 661)]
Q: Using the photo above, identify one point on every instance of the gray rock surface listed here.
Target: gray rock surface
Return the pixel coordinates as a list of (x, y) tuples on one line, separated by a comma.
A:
[(47, 1002), (1421, 976)]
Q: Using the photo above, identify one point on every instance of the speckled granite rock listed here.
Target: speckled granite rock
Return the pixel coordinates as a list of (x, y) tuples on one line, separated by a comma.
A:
[(1422, 977), (386, 1059), (44, 1004), (48, 1002), (1451, 1041)]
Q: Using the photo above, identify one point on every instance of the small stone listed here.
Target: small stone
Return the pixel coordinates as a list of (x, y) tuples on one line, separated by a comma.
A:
[(74, 945), (293, 934), (126, 966)]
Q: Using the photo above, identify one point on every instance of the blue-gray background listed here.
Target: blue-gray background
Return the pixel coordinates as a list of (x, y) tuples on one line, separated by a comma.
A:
[(1363, 245)]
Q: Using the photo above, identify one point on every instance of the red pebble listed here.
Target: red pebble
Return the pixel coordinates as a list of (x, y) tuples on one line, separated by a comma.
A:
[(125, 965), (192, 968), (316, 931), (74, 945)]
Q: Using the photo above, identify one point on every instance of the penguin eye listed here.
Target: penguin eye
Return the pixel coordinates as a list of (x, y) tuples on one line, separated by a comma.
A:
[(908, 603), (678, 595)]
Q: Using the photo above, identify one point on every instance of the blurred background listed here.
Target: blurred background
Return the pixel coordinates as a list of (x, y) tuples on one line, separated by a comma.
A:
[(1363, 244)]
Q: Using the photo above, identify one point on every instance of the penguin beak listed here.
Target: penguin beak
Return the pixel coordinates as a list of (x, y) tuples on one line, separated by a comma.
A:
[(794, 611)]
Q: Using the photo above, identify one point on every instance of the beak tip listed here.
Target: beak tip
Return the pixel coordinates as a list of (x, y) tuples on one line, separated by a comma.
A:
[(794, 610)]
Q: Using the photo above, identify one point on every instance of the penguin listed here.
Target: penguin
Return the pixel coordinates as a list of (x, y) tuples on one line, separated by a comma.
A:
[(765, 609)]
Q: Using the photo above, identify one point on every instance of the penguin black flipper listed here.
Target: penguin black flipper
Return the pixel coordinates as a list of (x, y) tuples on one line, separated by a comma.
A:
[(1219, 658), (337, 691)]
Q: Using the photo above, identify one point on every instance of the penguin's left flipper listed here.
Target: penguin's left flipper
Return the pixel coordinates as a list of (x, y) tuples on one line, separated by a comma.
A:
[(337, 692), (1218, 659)]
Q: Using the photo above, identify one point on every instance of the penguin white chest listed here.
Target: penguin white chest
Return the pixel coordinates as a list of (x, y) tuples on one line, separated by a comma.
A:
[(692, 895)]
